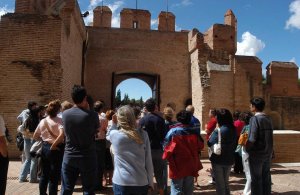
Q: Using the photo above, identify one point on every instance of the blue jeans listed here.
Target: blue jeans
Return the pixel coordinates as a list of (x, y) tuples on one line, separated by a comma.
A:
[(221, 173), (182, 186), (260, 175), (51, 167), (72, 167), (30, 164), (130, 190)]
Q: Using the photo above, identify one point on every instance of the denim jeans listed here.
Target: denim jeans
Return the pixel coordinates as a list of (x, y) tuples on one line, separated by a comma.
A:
[(51, 169), (182, 186), (260, 175), (130, 190), (30, 164), (222, 173), (72, 167), (3, 173)]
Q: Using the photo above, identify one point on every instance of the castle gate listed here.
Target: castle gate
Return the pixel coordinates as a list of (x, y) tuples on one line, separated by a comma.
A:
[(161, 59)]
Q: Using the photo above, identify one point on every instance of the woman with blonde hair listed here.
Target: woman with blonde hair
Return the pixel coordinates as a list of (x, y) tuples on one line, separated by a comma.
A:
[(50, 131), (133, 169)]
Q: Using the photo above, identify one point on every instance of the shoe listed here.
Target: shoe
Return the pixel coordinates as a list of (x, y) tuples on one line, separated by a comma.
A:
[(212, 182), (23, 180), (34, 181)]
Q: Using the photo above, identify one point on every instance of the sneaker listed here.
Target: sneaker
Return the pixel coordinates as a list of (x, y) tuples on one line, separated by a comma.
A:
[(23, 180)]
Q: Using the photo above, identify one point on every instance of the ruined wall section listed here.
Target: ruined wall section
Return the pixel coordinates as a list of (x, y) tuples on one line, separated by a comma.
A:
[(282, 79), (247, 80), (288, 109), (30, 64), (138, 51), (212, 76)]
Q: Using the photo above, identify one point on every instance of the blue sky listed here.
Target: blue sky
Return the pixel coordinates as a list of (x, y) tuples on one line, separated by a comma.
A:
[(269, 29)]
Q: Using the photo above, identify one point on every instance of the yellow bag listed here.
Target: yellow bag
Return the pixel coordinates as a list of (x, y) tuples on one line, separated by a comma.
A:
[(243, 139)]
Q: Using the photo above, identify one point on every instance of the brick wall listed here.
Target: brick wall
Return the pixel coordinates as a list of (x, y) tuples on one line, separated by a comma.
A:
[(138, 51), (30, 64), (129, 16), (286, 146)]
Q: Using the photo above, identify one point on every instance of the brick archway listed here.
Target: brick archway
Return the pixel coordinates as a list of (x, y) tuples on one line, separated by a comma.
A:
[(152, 80)]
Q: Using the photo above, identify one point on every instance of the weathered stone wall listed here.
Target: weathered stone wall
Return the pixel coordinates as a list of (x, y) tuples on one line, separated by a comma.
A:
[(138, 51), (41, 59), (73, 36), (288, 108), (30, 64)]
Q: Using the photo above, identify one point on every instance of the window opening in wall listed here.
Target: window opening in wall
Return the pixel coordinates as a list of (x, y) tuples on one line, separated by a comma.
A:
[(135, 24)]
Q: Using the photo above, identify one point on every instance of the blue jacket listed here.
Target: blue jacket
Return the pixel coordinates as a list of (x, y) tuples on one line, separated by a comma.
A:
[(228, 145)]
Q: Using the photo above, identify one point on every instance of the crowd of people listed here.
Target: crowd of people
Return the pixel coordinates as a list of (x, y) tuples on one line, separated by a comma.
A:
[(128, 147)]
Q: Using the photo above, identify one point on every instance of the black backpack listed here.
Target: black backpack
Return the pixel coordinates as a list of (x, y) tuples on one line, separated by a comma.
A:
[(20, 141)]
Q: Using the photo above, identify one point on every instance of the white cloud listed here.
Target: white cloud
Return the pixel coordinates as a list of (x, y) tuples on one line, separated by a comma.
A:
[(293, 60), (4, 10), (114, 8), (183, 3), (154, 24), (177, 28), (294, 20), (250, 45)]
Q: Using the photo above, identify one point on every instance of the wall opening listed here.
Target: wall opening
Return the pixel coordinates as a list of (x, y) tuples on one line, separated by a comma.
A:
[(134, 87)]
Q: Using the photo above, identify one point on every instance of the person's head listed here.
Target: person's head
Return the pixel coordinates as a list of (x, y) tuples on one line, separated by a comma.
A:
[(184, 117), (109, 114), (236, 115), (53, 108), (212, 112), (42, 111), (66, 105), (127, 122), (168, 113), (172, 105), (190, 108), (79, 95), (257, 104), (31, 105), (245, 116), (224, 117), (150, 104), (98, 106), (137, 111)]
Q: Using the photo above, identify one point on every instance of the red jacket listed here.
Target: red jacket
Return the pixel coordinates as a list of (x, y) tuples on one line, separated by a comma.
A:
[(182, 152)]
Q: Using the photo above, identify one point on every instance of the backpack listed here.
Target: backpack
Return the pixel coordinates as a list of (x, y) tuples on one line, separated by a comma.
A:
[(20, 141)]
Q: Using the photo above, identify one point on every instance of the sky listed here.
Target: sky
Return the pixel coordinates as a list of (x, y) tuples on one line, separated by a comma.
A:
[(268, 29)]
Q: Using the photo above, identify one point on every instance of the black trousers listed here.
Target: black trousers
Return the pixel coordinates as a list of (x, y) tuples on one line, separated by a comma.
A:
[(3, 173), (100, 150)]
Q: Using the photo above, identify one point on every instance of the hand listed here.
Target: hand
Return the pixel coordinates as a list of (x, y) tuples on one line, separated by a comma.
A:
[(150, 189)]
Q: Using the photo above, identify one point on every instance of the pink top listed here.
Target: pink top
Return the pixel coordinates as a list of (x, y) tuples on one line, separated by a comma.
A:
[(54, 124), (102, 129)]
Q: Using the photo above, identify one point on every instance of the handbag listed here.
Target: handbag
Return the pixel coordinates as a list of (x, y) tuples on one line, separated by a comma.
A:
[(20, 141), (216, 148), (36, 148), (243, 139)]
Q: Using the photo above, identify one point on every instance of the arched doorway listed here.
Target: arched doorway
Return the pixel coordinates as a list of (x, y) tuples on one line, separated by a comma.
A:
[(152, 80)]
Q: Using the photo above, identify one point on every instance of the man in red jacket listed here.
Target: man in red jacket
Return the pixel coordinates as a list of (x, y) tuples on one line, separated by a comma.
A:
[(181, 148)]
